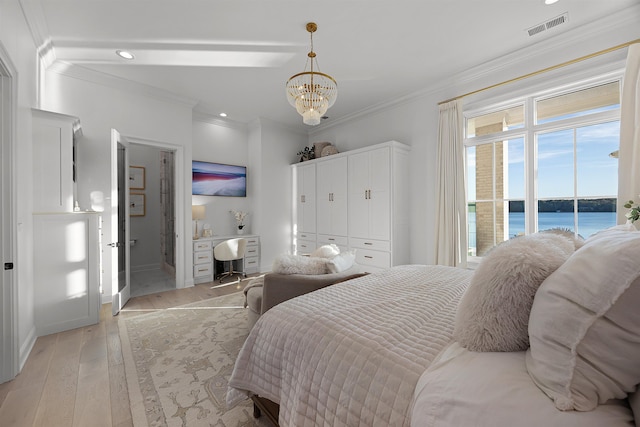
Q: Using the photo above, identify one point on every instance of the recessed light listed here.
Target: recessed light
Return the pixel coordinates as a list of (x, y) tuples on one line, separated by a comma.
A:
[(550, 1), (223, 114), (124, 54)]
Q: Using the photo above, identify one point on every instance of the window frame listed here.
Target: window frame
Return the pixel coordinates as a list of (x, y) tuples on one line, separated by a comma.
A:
[(530, 131)]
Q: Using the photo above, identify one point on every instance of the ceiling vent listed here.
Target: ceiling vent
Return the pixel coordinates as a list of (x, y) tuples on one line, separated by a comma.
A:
[(558, 20)]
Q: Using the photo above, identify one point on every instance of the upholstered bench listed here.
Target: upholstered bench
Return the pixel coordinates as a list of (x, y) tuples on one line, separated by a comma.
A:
[(253, 299), (277, 288)]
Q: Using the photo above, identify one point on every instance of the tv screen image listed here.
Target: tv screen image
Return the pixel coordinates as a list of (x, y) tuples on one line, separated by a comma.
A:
[(217, 179)]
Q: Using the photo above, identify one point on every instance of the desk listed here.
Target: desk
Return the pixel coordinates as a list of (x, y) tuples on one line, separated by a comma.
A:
[(204, 267)]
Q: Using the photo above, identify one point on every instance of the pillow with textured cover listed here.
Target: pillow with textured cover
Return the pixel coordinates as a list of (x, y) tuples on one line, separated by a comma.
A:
[(297, 264), (493, 314), (342, 262), (585, 324), (326, 251)]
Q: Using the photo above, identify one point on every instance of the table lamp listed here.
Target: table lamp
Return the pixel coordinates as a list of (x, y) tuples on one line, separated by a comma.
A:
[(197, 212)]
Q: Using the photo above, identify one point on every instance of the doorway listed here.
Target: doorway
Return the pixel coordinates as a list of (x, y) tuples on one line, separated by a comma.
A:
[(9, 365), (152, 228)]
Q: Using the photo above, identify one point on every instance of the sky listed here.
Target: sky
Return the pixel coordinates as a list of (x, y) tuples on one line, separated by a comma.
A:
[(597, 172)]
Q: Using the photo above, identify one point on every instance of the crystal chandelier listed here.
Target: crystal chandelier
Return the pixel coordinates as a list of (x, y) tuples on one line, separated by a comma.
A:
[(312, 92)]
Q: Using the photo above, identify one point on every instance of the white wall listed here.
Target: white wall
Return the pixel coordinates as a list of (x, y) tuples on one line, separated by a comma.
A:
[(16, 40), (273, 149), (214, 141), (267, 149), (414, 121), (102, 105)]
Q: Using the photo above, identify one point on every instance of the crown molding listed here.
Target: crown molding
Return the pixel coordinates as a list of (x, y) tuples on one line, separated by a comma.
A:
[(201, 115), (34, 15), (108, 80), (617, 24), (590, 36)]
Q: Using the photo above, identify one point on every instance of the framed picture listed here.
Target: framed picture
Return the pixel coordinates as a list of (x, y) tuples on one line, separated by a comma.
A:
[(136, 177), (137, 204)]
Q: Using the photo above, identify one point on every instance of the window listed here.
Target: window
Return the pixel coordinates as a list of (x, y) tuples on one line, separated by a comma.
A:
[(541, 162)]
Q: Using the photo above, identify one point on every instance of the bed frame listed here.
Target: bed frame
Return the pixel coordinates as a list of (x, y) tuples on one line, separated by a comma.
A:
[(264, 406)]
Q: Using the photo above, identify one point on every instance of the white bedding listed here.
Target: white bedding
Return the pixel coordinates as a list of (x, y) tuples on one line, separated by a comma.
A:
[(465, 388), (352, 353)]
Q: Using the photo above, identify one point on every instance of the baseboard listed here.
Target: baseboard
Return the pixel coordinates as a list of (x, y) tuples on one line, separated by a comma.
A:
[(25, 349)]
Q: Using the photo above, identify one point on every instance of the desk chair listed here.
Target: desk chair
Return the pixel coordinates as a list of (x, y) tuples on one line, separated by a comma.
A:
[(230, 250)]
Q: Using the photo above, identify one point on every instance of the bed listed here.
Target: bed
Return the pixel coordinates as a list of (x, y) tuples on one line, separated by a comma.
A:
[(382, 350)]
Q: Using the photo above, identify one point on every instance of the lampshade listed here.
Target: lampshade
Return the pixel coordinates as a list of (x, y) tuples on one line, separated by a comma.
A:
[(197, 212), (312, 93)]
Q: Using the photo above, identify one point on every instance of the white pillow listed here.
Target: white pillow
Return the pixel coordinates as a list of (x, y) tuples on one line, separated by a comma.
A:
[(296, 264), (342, 262), (464, 388), (493, 314), (585, 324), (326, 251)]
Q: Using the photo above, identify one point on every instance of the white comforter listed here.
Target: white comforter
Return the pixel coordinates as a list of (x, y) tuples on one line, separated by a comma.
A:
[(352, 353)]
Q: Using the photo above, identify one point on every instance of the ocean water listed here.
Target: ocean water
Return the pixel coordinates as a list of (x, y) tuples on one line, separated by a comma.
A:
[(588, 223)]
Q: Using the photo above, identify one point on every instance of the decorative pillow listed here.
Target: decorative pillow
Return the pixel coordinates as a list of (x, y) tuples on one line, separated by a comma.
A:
[(585, 324), (326, 251), (342, 262), (578, 241), (493, 314), (296, 264)]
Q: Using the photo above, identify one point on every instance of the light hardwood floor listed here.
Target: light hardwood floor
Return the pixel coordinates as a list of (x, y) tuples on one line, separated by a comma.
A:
[(77, 377)]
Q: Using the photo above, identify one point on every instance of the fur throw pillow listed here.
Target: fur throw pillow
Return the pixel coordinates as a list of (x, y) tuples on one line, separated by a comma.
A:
[(326, 251), (493, 314), (297, 264)]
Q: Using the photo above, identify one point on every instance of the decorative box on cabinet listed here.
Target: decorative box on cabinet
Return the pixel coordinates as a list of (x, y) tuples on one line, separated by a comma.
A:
[(202, 261), (55, 138), (66, 271)]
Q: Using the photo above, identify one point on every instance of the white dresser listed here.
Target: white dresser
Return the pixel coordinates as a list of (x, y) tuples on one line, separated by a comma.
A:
[(204, 268), (202, 261)]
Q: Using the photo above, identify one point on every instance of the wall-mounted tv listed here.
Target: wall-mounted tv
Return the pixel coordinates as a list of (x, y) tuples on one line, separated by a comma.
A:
[(217, 179)]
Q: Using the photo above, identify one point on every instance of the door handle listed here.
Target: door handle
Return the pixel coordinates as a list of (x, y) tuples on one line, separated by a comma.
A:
[(115, 245)]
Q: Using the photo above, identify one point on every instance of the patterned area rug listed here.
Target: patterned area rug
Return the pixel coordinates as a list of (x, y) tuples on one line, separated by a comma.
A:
[(178, 362)]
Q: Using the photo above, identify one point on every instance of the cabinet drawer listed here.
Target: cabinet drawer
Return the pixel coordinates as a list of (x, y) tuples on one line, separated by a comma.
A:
[(305, 247), (327, 239), (377, 259), (376, 245), (203, 270), (251, 265), (252, 251), (202, 257), (252, 241), (204, 245), (310, 237)]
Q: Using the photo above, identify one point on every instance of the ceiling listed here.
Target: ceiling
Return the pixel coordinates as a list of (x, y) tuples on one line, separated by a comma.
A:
[(234, 56)]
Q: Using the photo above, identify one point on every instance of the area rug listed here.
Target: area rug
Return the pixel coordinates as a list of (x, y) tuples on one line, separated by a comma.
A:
[(178, 362)]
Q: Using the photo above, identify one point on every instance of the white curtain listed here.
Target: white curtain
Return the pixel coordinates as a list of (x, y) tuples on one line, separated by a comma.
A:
[(451, 218), (629, 154)]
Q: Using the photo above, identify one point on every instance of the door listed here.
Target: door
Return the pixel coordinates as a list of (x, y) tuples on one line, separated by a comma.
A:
[(332, 200), (369, 194), (8, 290), (120, 256), (306, 198)]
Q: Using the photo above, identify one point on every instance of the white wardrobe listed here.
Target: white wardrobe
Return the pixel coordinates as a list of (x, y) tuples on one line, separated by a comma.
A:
[(66, 240), (357, 200)]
